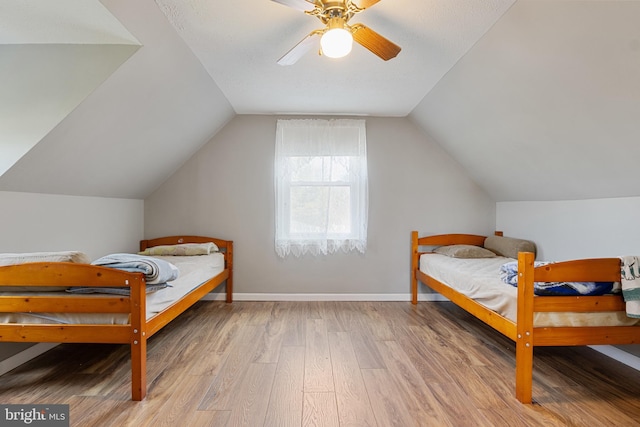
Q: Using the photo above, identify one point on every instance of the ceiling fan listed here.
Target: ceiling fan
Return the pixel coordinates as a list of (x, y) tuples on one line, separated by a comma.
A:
[(337, 36)]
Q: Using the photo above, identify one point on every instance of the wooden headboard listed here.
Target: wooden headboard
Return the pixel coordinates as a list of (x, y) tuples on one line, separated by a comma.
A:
[(450, 239)]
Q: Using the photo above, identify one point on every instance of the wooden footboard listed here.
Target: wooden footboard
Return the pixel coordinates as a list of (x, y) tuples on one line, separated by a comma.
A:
[(523, 331), (135, 333)]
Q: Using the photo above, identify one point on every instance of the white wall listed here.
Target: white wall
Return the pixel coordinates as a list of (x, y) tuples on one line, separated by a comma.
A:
[(97, 226), (39, 222), (226, 190), (574, 228)]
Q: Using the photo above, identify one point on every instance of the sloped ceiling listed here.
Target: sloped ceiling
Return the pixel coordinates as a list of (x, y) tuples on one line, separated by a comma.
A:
[(537, 99), (546, 106), (135, 129), (52, 55)]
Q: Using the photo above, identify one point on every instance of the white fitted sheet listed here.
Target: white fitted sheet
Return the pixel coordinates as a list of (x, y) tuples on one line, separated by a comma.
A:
[(479, 279), (194, 270)]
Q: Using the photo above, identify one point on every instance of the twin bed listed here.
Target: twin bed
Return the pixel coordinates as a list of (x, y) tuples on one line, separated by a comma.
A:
[(34, 309), (36, 305), (474, 284)]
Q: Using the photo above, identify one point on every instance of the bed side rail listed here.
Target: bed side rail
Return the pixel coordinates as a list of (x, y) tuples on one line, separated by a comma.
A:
[(67, 274)]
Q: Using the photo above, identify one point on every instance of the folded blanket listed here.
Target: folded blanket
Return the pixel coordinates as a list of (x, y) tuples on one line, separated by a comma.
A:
[(630, 281), (155, 270), (509, 275)]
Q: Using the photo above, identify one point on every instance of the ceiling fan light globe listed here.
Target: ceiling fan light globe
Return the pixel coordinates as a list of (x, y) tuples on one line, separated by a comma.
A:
[(336, 43)]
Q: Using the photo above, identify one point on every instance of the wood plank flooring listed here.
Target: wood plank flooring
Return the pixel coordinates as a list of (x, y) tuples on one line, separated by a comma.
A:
[(280, 364)]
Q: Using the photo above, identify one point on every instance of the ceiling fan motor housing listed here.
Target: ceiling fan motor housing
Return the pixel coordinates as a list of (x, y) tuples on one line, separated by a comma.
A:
[(335, 15), (334, 9)]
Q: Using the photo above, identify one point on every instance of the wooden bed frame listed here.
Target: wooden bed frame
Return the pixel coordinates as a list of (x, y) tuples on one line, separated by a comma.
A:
[(523, 332), (139, 329)]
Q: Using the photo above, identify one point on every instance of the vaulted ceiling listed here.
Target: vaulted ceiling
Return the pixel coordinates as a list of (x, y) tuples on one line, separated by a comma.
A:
[(537, 99)]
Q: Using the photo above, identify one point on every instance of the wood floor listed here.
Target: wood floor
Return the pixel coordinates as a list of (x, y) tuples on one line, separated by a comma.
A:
[(328, 364)]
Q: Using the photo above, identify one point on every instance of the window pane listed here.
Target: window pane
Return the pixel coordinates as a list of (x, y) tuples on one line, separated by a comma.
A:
[(307, 169), (319, 168), (307, 209), (340, 210), (340, 168), (320, 209)]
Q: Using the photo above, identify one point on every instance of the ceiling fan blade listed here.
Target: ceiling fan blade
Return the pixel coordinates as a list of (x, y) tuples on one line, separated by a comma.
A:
[(300, 49), (373, 41), (363, 4), (302, 5)]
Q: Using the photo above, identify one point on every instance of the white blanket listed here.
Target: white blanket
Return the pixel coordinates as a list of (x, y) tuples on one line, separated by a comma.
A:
[(630, 281), (63, 256)]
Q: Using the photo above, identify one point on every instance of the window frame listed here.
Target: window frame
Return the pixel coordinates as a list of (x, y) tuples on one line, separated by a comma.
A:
[(324, 242)]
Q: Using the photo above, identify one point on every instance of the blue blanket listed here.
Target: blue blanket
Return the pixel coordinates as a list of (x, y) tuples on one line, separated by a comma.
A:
[(509, 275), (155, 270)]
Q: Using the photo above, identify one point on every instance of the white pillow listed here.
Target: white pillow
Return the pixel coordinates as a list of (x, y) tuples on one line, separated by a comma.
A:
[(183, 249)]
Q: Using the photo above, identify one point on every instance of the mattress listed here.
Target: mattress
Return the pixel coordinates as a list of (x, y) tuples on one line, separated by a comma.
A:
[(194, 271), (479, 279)]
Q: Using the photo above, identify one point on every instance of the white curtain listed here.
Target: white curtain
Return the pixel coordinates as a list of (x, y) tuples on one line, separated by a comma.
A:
[(321, 186)]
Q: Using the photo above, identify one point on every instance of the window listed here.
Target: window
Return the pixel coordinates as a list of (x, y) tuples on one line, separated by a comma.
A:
[(321, 186)]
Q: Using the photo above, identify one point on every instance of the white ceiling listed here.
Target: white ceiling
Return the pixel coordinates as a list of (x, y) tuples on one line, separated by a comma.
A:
[(537, 99), (62, 21), (239, 44)]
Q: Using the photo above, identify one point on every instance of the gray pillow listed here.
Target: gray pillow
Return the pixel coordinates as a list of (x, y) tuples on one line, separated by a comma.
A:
[(464, 251), (508, 246)]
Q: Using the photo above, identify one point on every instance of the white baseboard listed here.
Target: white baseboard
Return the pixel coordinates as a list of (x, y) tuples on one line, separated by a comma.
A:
[(619, 355), (323, 297), (24, 356)]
